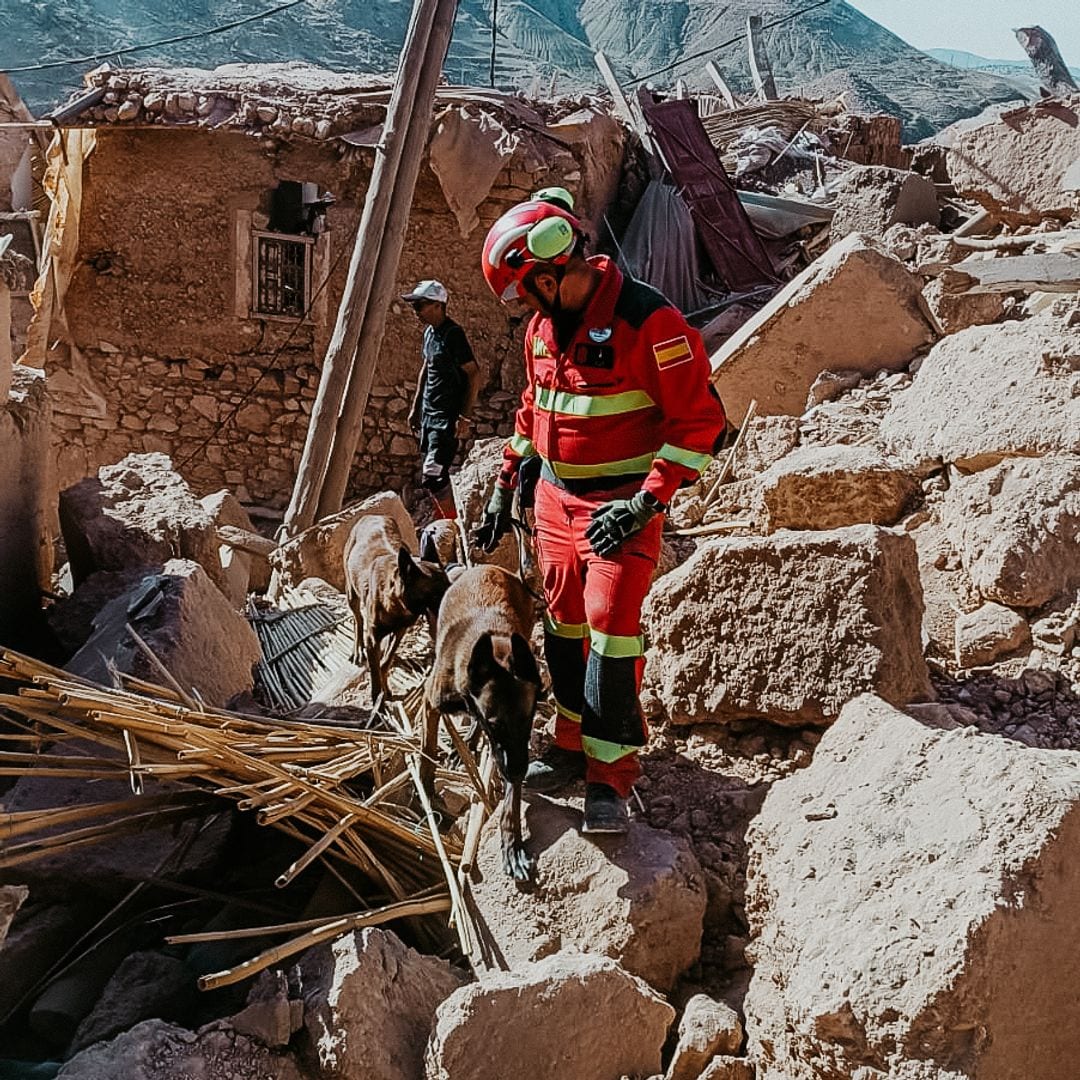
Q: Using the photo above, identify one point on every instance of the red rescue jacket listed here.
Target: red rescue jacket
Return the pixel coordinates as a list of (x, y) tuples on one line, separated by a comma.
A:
[(629, 397)]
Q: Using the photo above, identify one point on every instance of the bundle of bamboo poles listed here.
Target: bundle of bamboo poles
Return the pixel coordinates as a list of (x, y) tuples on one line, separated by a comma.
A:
[(298, 776)]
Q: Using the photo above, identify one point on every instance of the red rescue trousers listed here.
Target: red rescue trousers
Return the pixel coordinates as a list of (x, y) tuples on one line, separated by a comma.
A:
[(592, 631)]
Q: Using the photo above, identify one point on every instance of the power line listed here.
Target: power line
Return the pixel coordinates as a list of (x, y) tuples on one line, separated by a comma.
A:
[(724, 44), (154, 44)]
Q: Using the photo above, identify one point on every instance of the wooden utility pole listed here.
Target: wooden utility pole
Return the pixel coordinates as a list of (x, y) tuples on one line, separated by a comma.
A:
[(760, 68), (404, 111), (350, 417), (494, 20)]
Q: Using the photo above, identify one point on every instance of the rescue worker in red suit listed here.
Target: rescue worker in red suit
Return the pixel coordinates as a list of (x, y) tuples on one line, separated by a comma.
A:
[(619, 409)]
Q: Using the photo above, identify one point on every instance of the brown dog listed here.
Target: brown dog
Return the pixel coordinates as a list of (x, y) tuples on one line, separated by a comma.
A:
[(484, 666), (387, 589)]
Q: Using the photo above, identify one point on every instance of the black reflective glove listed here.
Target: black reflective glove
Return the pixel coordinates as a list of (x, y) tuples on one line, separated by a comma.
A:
[(620, 519), (496, 523)]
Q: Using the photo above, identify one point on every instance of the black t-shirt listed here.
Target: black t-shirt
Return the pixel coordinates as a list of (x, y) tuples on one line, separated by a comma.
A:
[(446, 350)]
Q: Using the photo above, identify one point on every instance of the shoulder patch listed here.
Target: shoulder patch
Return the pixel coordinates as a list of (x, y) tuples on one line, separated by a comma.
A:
[(637, 301), (539, 347), (672, 352)]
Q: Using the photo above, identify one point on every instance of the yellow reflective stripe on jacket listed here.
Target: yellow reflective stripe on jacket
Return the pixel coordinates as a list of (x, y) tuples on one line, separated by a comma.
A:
[(613, 645), (690, 458), (561, 401), (627, 466), (607, 752), (577, 631), (522, 446), (567, 714)]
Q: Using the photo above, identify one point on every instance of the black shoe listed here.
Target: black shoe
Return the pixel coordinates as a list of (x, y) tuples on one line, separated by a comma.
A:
[(605, 811), (554, 769)]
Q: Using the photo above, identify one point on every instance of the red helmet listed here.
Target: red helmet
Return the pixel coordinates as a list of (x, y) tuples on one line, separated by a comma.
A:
[(526, 234)]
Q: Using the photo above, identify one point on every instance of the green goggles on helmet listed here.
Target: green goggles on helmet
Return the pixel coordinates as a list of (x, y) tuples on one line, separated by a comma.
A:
[(557, 196)]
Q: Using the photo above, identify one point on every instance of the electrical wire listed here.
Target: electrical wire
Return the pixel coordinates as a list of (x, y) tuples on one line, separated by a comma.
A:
[(724, 44), (153, 44)]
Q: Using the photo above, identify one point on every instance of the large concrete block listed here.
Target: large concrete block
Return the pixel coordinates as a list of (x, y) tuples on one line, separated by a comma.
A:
[(854, 309), (872, 198), (639, 900), (566, 1016), (137, 513), (27, 499), (993, 392), (828, 487), (1015, 163), (369, 1005), (789, 627), (912, 899), (190, 627), (1016, 526)]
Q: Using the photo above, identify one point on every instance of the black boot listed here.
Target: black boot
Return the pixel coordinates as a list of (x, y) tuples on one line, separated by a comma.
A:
[(605, 810), (554, 769)]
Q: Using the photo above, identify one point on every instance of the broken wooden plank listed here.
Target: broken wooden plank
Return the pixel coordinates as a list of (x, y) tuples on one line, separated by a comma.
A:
[(1003, 243), (1051, 272), (622, 106), (760, 69), (725, 90), (245, 540)]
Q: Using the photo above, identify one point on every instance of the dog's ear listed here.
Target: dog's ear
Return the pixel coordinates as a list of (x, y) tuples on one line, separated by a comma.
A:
[(406, 566), (482, 663), (523, 663)]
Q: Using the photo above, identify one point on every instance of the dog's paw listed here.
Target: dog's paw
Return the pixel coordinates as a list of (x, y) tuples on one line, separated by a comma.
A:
[(517, 862)]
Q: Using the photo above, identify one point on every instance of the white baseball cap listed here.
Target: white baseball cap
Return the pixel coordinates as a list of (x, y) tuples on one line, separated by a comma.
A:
[(427, 290)]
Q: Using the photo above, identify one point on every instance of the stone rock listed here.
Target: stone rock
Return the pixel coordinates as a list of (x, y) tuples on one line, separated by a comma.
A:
[(788, 627), (12, 898), (911, 898), (707, 1028), (566, 1016), (441, 535), (724, 1067), (872, 198), (38, 937), (473, 485), (155, 1050), (1017, 528), (137, 513), (27, 498), (767, 439), (319, 551), (853, 309), (146, 986), (639, 900), (269, 1015), (190, 627), (947, 590), (1014, 164), (829, 385), (828, 487), (71, 618), (991, 392), (225, 508), (369, 1005), (955, 311), (989, 632)]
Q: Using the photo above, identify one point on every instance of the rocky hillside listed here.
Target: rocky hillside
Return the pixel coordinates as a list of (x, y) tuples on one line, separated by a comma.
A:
[(825, 50)]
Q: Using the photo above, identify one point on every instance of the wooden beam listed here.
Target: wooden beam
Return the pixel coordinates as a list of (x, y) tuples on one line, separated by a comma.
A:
[(245, 540), (622, 106), (725, 90), (383, 285), (341, 352), (1042, 50), (760, 68), (1054, 272), (1004, 243)]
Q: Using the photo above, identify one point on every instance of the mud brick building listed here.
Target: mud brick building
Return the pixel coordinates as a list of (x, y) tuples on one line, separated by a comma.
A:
[(199, 239)]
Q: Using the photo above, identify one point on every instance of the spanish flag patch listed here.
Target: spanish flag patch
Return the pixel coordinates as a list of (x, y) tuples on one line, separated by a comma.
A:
[(539, 347), (672, 352)]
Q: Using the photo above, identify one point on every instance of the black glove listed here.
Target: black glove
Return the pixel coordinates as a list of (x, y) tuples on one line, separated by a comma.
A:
[(620, 519), (496, 522)]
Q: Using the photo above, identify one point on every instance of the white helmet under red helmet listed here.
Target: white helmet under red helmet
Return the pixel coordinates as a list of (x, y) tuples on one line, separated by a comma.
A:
[(526, 234)]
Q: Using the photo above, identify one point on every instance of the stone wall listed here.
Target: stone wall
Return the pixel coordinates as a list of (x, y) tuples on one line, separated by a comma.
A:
[(166, 358)]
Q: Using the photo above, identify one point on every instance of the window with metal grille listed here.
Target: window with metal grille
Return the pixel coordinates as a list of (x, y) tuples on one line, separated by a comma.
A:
[(281, 277)]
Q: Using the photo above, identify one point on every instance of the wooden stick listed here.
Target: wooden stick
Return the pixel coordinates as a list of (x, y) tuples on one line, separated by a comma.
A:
[(715, 527), (729, 461), (401, 910), (162, 670)]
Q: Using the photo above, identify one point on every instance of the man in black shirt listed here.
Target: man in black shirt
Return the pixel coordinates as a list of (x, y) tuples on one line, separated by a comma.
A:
[(445, 392)]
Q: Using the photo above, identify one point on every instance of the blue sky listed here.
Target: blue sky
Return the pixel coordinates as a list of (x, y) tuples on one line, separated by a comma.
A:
[(978, 26)]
